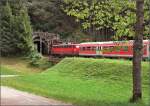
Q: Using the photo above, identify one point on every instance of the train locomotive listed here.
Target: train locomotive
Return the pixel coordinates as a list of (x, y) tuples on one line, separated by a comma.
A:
[(100, 49)]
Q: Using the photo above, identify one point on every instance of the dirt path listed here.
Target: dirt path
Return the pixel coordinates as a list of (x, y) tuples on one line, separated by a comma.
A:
[(10, 96), (5, 76)]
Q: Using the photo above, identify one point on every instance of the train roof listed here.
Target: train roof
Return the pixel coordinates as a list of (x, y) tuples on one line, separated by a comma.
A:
[(66, 44), (111, 42), (102, 43)]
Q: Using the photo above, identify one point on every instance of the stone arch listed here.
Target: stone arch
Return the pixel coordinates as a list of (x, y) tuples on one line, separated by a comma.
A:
[(44, 41)]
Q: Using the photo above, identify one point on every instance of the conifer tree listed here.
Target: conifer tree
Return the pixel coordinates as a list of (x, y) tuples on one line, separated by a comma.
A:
[(16, 31)]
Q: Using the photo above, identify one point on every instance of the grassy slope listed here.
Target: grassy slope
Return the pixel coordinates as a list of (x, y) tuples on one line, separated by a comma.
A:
[(17, 66), (84, 81), (6, 71)]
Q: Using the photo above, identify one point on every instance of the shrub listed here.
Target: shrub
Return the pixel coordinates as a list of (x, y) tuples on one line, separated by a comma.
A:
[(37, 60), (34, 57), (43, 63)]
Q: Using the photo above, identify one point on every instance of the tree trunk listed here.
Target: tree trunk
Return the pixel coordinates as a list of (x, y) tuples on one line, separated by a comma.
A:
[(137, 51)]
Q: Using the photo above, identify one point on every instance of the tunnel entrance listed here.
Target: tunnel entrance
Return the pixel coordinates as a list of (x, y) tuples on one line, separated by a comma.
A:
[(43, 41), (43, 45)]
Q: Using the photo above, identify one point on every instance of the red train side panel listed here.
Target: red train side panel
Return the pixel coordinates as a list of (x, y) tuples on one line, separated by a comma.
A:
[(65, 49), (106, 49)]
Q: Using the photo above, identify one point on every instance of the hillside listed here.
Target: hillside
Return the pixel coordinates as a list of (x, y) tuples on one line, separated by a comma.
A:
[(110, 69), (85, 82)]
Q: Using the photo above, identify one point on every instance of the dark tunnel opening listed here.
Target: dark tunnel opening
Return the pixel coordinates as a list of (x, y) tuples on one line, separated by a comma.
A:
[(44, 48)]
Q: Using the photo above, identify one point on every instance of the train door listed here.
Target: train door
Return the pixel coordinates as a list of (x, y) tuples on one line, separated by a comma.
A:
[(98, 50)]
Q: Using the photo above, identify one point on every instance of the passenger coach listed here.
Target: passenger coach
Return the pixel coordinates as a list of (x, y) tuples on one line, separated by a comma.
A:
[(112, 49)]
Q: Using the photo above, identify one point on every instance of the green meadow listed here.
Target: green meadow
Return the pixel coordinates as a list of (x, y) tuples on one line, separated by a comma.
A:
[(83, 82)]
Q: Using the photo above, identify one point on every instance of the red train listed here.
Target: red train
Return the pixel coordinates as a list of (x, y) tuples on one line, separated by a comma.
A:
[(104, 49), (65, 49)]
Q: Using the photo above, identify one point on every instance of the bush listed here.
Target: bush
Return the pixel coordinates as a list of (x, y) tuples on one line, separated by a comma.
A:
[(34, 57), (37, 60), (43, 63)]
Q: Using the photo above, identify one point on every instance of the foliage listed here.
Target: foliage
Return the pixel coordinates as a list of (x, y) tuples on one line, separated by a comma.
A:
[(76, 36), (16, 32), (116, 14), (72, 80), (47, 16), (38, 61), (35, 55), (41, 63), (34, 58)]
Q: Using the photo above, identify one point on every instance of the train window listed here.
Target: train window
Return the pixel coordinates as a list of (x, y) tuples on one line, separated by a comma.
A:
[(67, 46), (111, 48), (125, 48), (93, 48), (117, 48), (84, 48), (99, 47), (106, 49), (131, 48), (88, 48)]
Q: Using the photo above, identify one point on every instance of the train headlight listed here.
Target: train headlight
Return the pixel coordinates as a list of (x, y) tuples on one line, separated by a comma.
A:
[(77, 46)]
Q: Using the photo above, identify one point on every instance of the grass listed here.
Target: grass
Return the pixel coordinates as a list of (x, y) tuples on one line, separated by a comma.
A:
[(19, 65), (85, 82), (6, 71)]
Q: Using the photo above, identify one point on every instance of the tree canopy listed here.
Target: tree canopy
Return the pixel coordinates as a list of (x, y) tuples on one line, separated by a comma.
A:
[(65, 18), (116, 14), (16, 31)]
